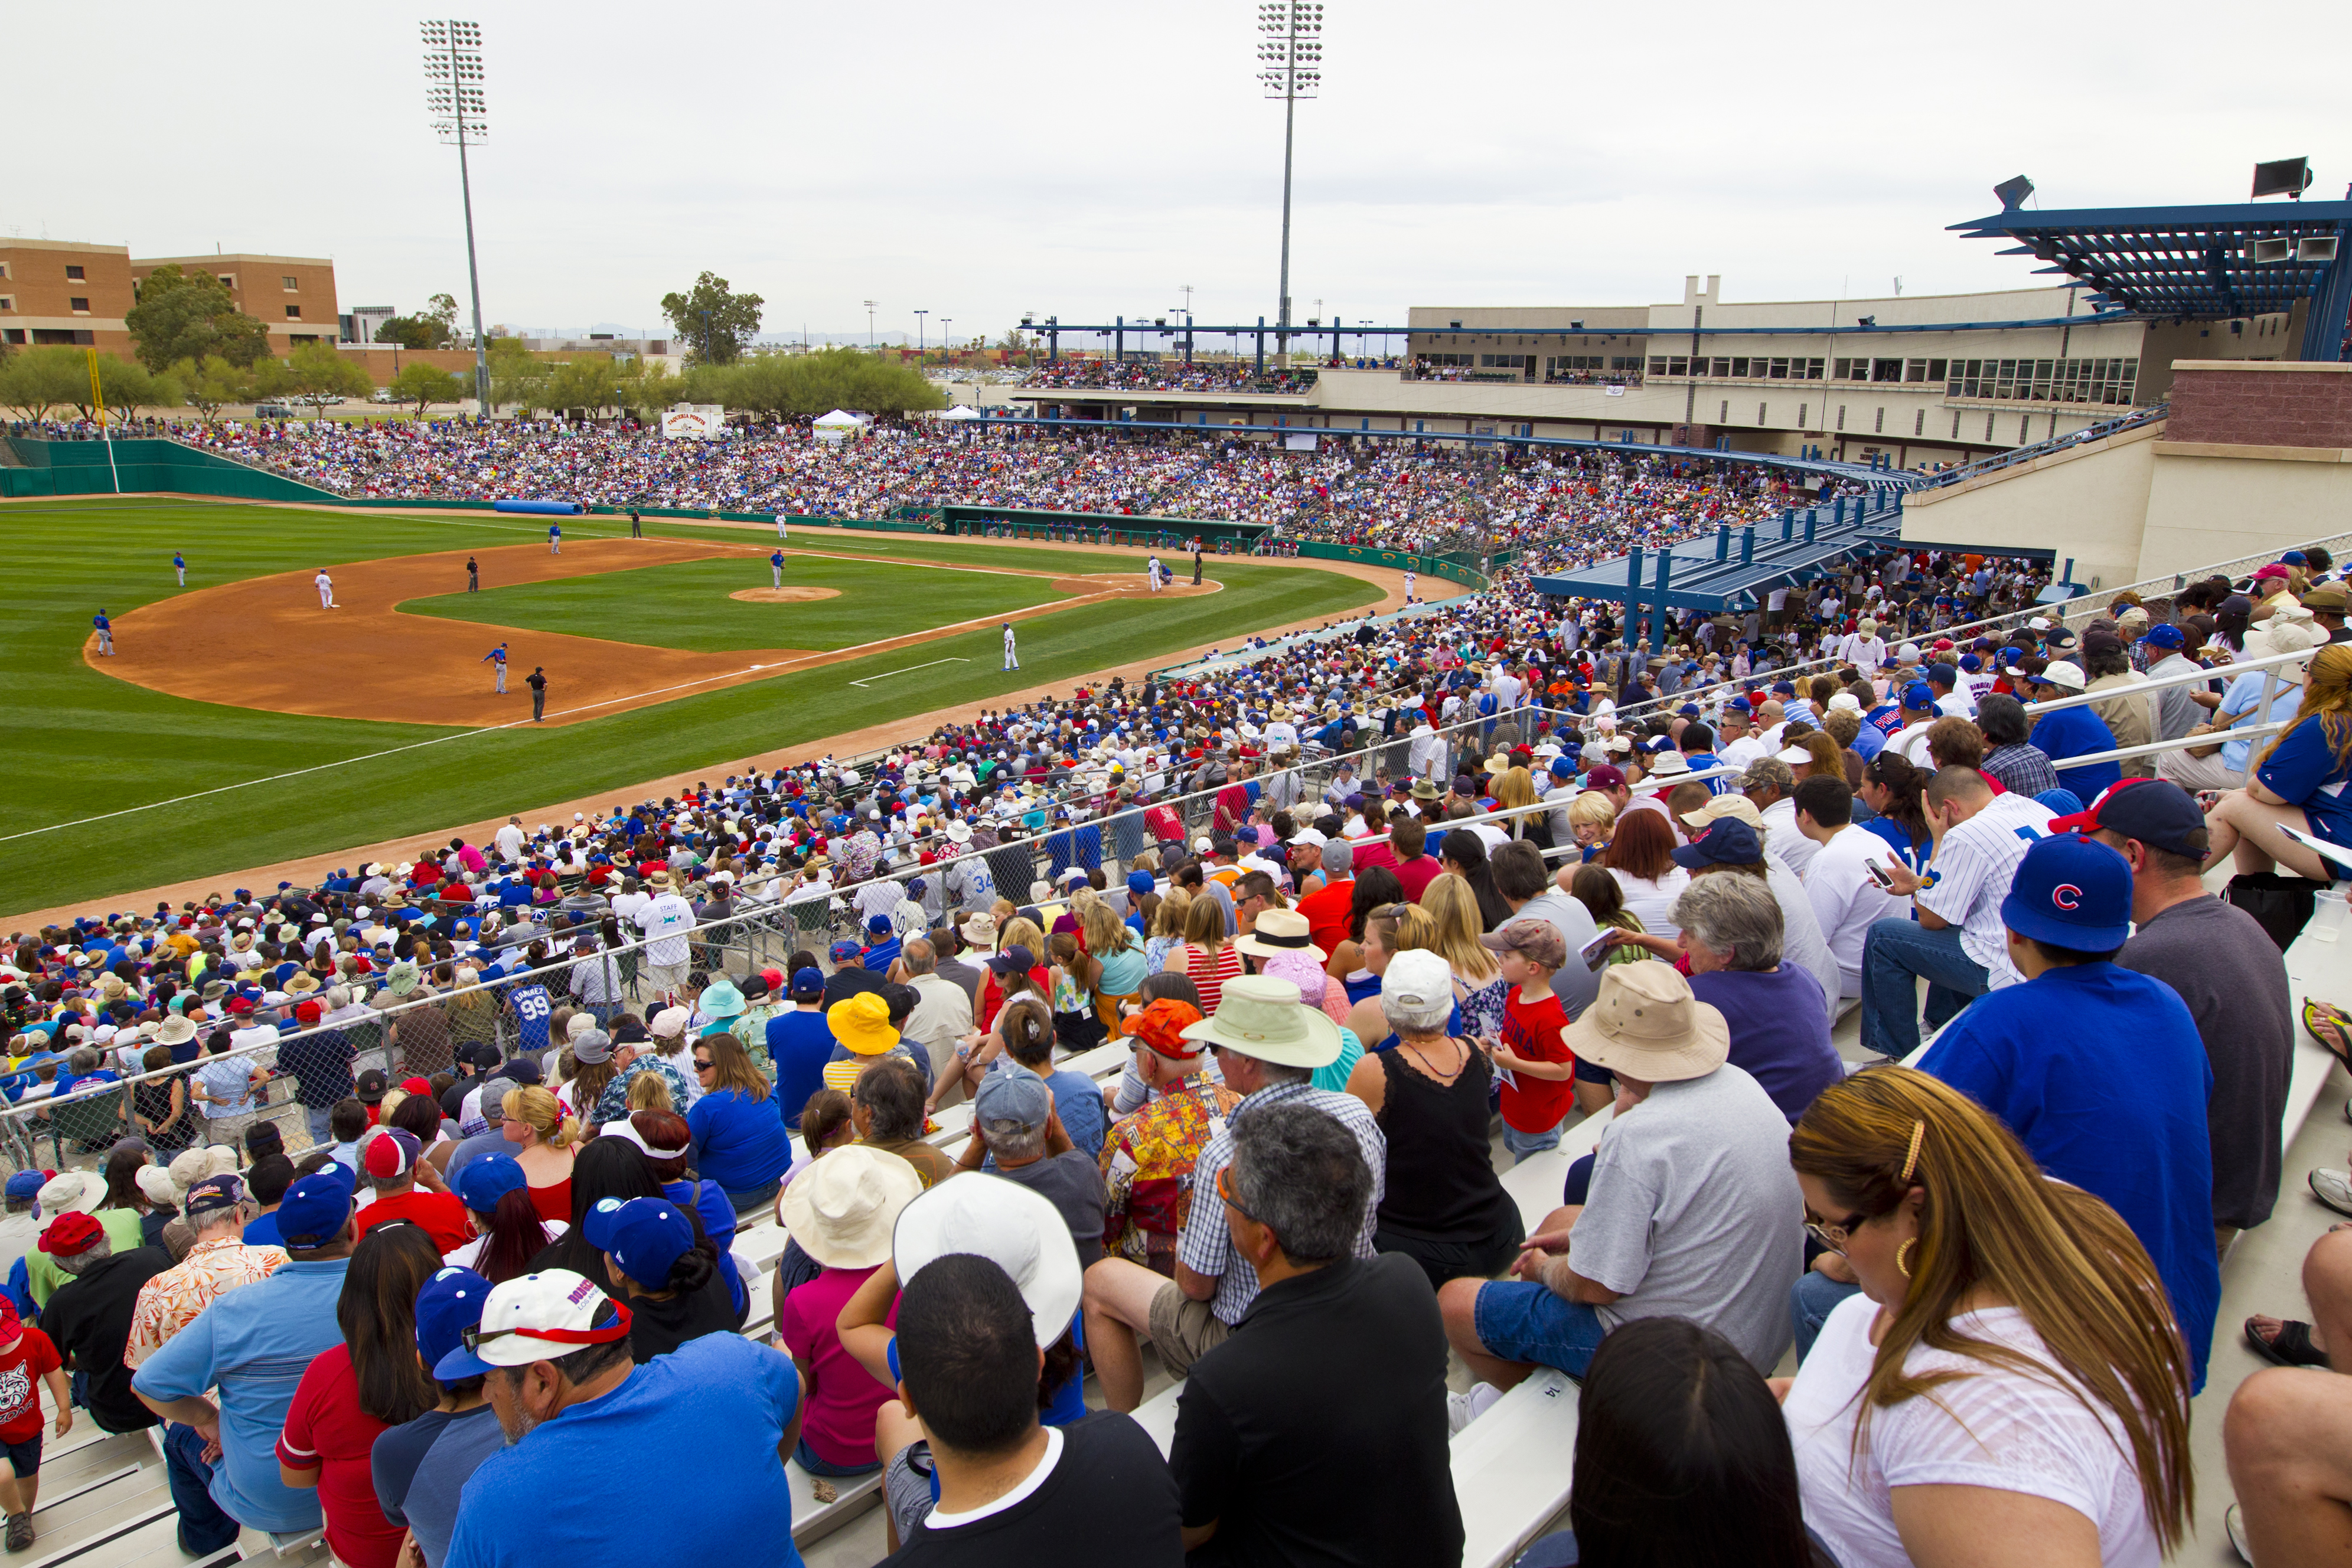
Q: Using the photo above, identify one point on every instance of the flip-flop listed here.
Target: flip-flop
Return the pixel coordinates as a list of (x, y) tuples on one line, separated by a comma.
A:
[(2290, 1346), (2331, 1026)]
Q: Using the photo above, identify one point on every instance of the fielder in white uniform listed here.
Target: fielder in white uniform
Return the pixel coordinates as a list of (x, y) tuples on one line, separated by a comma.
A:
[(1012, 659), (326, 591)]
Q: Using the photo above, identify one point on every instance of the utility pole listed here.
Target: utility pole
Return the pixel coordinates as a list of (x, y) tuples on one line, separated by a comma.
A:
[(453, 62), (1291, 55), (919, 334), (869, 325)]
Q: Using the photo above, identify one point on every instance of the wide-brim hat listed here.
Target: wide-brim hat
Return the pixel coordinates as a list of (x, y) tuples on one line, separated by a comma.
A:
[(1646, 1024), (1261, 1016), (1014, 1226), (843, 1211), (1280, 934)]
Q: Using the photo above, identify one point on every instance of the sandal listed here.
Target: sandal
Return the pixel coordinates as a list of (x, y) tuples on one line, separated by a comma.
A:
[(2290, 1346), (2331, 1026)]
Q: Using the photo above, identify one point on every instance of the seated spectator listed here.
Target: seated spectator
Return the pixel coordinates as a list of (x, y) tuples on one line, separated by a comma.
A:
[(2298, 782), (1010, 1488), (352, 1394), (1267, 1045), (2010, 758), (667, 1270), (88, 1317), (219, 1260), (1690, 1214), (1340, 1376), (862, 1032), (265, 1184), (2098, 1070), (421, 1468), (2243, 705), (544, 1142), (840, 1214), (1846, 900), (1016, 1127), (82, 1192), (507, 1232), (1148, 1158), (2234, 980), (1641, 857), (241, 1346), (1957, 943), (612, 1166), (739, 1135), (669, 1148), (2071, 732), (551, 1345), (390, 1165), (885, 1110), (1779, 1027), (2009, 1363), (1681, 1457), (1768, 785), (1440, 1203)]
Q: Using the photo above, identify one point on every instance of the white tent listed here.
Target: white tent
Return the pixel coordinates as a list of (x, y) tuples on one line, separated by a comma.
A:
[(838, 426), (960, 411)]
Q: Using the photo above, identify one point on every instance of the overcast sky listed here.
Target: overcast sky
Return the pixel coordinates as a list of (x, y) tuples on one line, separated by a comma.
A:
[(980, 160)]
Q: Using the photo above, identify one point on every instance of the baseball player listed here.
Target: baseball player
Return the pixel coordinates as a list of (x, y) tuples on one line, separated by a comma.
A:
[(1012, 659), (326, 586), (1151, 573), (555, 538), (1409, 581), (780, 528), (776, 567), (106, 635), (636, 526), (180, 564), (497, 659)]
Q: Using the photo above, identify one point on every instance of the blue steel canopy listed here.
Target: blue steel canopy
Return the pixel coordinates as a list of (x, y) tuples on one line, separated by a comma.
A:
[(1734, 571), (2201, 263)]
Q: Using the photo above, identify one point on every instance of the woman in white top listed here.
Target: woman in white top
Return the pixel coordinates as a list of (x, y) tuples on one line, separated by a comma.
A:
[(1641, 857), (2009, 1387)]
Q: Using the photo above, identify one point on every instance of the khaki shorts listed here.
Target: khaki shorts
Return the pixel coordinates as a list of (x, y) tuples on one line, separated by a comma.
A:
[(1183, 1329)]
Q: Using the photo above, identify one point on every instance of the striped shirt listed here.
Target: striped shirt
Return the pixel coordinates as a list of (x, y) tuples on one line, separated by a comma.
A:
[(1971, 872), (2022, 768)]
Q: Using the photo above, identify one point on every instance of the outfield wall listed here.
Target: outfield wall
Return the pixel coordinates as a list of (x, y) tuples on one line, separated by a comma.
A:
[(140, 464)]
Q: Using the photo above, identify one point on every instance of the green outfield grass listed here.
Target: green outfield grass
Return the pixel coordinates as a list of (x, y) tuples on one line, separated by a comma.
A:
[(686, 605), (84, 746)]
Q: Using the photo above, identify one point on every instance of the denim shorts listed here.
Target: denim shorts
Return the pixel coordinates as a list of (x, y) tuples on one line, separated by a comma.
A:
[(24, 1457), (1519, 1321)]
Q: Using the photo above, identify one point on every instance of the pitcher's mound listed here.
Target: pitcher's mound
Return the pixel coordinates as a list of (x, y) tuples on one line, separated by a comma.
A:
[(783, 595)]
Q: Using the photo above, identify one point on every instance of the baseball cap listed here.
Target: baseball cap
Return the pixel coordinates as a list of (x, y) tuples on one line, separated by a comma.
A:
[(1013, 1095), (646, 1236), (844, 948), (807, 983), (71, 1234), (314, 1210), (1538, 941), (1014, 960), (2071, 891), (373, 1083), (1729, 841), (29, 1184), (879, 924), (1918, 695), (391, 1152), (488, 1178), (535, 1317), (2166, 636), (214, 1193), (2155, 811), (1140, 883), (2061, 673), (450, 1304), (1605, 776)]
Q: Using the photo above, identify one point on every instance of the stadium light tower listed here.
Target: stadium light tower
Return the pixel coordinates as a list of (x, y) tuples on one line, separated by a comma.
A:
[(452, 70), (1290, 61)]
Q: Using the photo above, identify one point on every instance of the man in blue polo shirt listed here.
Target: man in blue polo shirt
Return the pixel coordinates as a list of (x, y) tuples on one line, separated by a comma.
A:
[(2075, 731), (2097, 1068), (252, 1344)]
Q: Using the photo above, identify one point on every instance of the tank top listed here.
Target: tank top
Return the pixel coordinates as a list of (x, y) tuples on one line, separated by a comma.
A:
[(1442, 1184), (1209, 976)]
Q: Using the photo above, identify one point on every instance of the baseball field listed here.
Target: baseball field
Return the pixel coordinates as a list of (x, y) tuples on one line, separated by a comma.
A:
[(242, 723)]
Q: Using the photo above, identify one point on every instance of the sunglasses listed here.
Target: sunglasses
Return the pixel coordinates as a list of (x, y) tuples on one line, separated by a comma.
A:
[(1835, 1235), (702, 1064)]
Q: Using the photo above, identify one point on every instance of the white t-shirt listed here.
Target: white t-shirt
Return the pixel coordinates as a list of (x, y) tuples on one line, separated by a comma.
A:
[(1652, 902), (1994, 1429), (664, 922), (1846, 901)]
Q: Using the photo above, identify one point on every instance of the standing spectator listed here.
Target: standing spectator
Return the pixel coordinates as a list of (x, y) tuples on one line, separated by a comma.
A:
[(2234, 980), (1338, 1376), (27, 1360), (420, 1467), (2098, 1070), (242, 1346), (1540, 1084), (219, 1260), (1691, 1211), (321, 1061), (352, 1393), (551, 1345), (228, 1088), (664, 922), (88, 1318), (841, 1213)]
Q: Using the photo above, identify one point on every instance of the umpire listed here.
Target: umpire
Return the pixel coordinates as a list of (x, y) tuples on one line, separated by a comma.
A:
[(537, 681)]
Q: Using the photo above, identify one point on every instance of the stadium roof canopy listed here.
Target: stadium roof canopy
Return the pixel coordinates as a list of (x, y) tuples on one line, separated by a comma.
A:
[(2203, 262)]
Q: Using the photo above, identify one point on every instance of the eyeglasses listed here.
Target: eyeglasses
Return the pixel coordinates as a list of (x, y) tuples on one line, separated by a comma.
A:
[(1225, 1196), (702, 1064), (1835, 1236)]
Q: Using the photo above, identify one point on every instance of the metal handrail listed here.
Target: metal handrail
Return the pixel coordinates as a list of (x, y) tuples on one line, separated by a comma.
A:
[(2186, 678)]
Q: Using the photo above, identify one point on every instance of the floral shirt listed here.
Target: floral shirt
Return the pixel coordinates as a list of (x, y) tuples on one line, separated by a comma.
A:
[(614, 1103), (172, 1300), (1147, 1164)]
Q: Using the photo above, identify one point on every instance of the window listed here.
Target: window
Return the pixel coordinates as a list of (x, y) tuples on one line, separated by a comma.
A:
[(293, 312), (1626, 363), (1879, 427), (1725, 417), (1885, 369), (73, 275), (1759, 413), (1956, 425), (13, 334), (80, 303), (228, 279), (4, 271), (1919, 425), (291, 282), (7, 303), (1802, 409), (1841, 424)]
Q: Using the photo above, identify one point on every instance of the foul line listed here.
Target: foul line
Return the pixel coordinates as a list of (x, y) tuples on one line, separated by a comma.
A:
[(908, 671)]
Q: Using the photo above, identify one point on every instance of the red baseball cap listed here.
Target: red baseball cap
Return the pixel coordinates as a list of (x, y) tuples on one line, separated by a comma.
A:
[(71, 1234)]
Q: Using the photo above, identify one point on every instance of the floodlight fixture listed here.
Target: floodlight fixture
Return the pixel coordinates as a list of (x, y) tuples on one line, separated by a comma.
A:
[(1290, 53), (454, 76), (2012, 193), (2287, 176)]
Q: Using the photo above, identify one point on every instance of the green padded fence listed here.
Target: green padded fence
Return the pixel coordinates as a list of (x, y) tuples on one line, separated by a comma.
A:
[(140, 463)]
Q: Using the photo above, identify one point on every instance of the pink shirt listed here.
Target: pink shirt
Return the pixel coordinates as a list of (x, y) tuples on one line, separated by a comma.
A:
[(842, 1395)]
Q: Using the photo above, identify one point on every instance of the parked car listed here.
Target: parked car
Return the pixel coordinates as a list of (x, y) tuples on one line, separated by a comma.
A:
[(272, 410), (382, 394)]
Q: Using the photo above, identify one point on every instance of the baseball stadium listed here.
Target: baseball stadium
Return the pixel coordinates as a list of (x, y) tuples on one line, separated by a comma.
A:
[(1510, 936)]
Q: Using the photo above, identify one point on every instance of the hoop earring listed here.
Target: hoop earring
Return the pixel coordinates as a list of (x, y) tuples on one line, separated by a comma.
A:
[(1903, 1253)]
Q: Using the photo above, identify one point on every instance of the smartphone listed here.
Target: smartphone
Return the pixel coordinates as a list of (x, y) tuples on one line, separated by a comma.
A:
[(1879, 875), (1595, 953)]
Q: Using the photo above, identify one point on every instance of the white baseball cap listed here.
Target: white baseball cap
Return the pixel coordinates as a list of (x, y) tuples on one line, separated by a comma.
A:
[(536, 1317)]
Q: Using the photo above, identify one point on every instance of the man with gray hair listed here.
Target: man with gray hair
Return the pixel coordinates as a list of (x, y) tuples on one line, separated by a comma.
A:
[(219, 1261), (1732, 933), (1769, 785), (1341, 1377), (1013, 1119), (942, 1012)]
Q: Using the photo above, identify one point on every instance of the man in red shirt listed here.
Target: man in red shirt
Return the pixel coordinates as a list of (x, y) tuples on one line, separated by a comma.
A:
[(1329, 907), (1408, 838), (389, 1162)]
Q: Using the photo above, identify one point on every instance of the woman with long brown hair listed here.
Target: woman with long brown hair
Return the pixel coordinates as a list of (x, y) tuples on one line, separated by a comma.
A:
[(1641, 858), (2009, 1384), (2298, 782), (1206, 954), (545, 1140)]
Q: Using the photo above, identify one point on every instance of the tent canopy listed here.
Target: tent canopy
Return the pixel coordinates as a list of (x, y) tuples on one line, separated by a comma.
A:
[(839, 419)]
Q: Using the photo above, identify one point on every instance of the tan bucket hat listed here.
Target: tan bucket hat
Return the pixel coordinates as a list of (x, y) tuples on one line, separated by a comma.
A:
[(1646, 1024)]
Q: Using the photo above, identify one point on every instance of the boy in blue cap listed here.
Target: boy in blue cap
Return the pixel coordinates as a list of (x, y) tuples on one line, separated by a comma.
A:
[(2099, 1070), (420, 1468)]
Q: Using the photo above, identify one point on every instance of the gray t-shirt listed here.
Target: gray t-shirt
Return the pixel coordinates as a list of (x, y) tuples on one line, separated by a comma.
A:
[(1695, 1213), (2234, 981), (1575, 985), (1075, 1187)]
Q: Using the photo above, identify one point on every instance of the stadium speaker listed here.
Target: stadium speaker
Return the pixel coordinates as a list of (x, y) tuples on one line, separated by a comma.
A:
[(2271, 252), (2291, 176), (2012, 193), (2315, 248)]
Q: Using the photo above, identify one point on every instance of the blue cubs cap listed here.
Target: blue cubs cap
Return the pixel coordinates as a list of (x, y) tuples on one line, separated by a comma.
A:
[(2295, 557), (808, 982), (1919, 695), (1729, 841), (1140, 883), (2071, 891), (879, 924), (646, 1237), (1739, 705), (1688, 710), (488, 1178), (449, 1304), (1970, 662), (315, 1209), (844, 948), (2166, 635)]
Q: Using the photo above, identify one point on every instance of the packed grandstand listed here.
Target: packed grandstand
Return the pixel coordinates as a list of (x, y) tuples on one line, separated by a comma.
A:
[(386, 1201)]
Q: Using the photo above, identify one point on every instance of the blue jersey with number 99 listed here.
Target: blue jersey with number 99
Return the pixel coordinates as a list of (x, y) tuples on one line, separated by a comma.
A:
[(532, 1009)]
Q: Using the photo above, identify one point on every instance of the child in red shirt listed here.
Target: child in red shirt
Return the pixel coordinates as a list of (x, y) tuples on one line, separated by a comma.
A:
[(27, 1358), (1539, 1082)]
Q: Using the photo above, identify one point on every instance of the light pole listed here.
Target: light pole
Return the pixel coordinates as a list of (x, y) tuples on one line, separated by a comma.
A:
[(869, 325), (947, 349), (1291, 57), (453, 64), (919, 334)]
